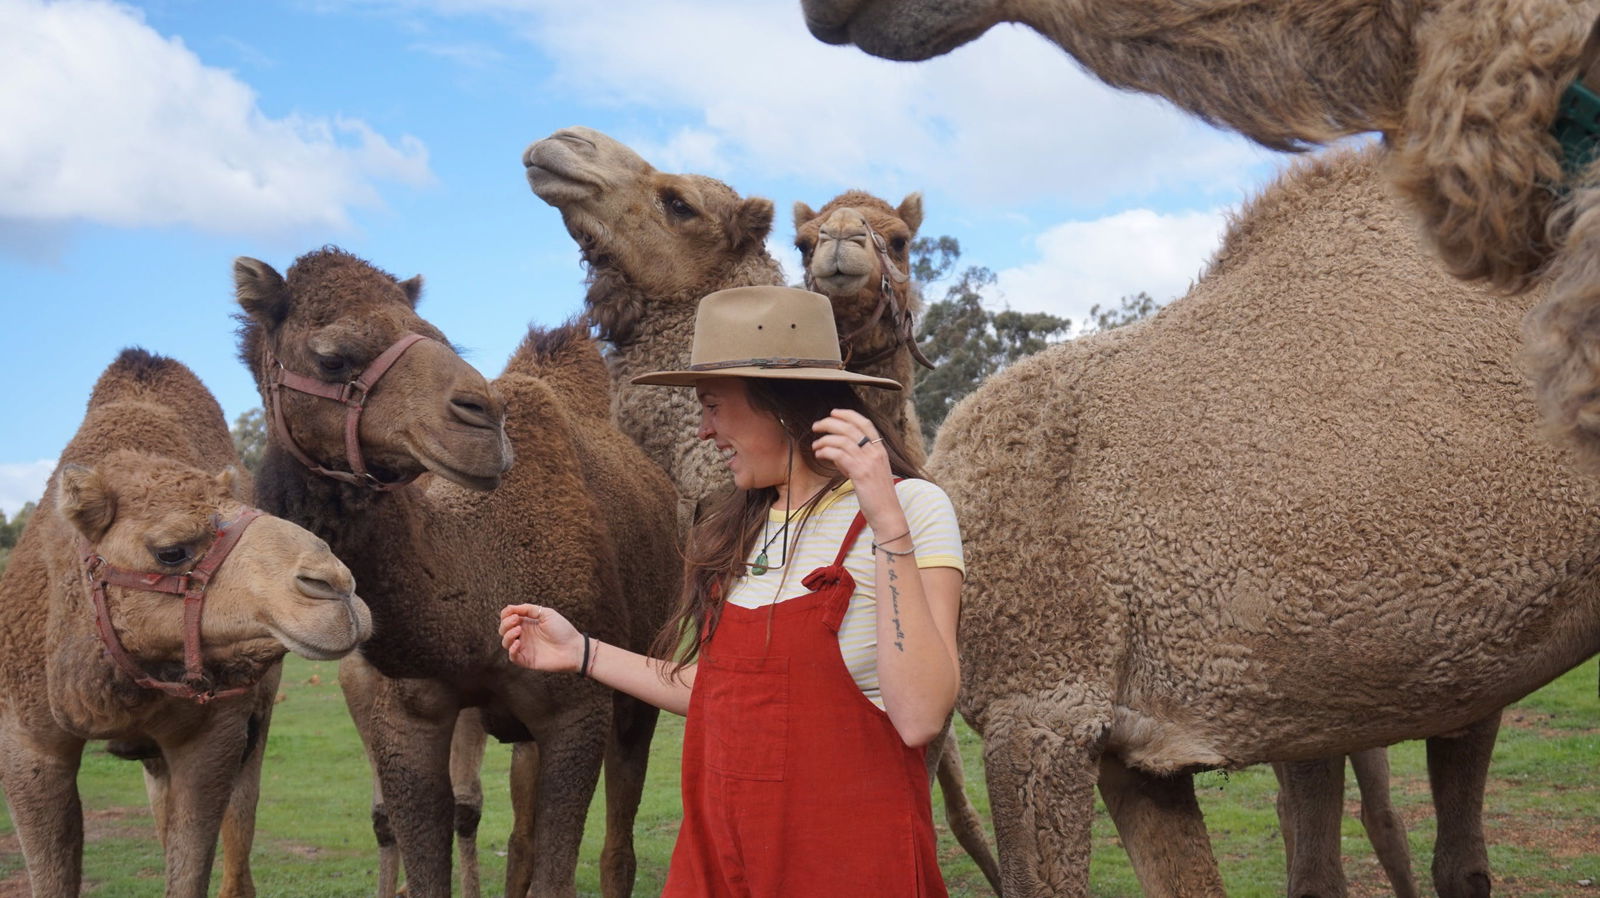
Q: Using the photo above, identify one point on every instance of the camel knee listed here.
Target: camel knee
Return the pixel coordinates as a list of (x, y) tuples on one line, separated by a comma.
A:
[(382, 830), (467, 816)]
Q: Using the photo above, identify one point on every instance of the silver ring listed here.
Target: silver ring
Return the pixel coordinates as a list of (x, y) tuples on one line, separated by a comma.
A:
[(879, 439), (864, 440)]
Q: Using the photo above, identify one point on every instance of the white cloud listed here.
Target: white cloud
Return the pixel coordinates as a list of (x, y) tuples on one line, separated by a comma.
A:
[(1083, 263), (1004, 120), (107, 121), (23, 482)]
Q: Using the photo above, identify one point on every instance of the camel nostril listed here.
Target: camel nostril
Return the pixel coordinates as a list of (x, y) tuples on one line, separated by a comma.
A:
[(317, 588), (473, 412)]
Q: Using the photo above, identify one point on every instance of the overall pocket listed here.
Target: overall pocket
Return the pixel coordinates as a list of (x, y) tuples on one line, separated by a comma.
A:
[(746, 711)]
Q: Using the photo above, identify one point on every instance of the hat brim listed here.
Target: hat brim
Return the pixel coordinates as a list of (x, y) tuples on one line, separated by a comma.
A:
[(690, 378)]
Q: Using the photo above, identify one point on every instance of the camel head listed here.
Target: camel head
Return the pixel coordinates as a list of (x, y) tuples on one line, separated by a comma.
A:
[(667, 237), (280, 588), (911, 29), (844, 262), (331, 319)]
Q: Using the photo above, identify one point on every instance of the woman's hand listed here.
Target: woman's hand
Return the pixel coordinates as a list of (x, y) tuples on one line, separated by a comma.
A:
[(539, 638), (850, 443)]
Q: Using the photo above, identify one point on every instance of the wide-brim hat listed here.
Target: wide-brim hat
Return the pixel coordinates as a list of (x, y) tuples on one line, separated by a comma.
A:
[(779, 333)]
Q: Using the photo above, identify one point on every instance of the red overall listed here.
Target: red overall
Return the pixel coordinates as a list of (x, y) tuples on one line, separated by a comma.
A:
[(794, 783)]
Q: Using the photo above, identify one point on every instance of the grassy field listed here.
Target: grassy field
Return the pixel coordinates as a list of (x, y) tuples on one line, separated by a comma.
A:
[(314, 838)]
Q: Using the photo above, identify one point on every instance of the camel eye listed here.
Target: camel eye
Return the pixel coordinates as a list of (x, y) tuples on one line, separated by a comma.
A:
[(898, 244), (804, 246), (171, 556), (330, 364), (678, 207)]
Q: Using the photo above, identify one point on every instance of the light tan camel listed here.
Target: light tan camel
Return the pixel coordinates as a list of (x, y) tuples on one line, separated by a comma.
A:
[(857, 251), (1301, 512), (583, 522), (147, 486), (1465, 93), (654, 243)]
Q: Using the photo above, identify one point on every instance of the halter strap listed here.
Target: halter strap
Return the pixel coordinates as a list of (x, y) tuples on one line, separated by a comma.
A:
[(195, 686), (353, 395), (902, 329)]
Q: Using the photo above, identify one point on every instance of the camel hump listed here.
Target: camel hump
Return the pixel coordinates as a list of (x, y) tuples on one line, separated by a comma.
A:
[(140, 375), (569, 360)]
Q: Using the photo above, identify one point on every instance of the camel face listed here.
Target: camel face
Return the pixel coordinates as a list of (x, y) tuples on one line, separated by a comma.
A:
[(842, 260), (903, 29), (280, 588), (329, 320), (667, 234)]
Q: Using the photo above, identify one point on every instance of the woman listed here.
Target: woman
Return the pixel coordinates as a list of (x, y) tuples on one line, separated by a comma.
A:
[(815, 644)]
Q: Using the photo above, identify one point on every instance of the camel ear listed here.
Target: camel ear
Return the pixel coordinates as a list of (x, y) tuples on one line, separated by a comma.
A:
[(910, 212), (261, 291), (748, 225), (85, 500), (412, 289), (228, 479), (802, 214)]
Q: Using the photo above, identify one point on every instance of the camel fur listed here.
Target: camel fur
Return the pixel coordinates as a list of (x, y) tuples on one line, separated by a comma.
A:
[(1465, 93), (653, 243), (583, 523), (842, 263), (144, 481), (1301, 512)]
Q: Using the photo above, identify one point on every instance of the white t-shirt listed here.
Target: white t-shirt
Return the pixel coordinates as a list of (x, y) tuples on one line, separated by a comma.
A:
[(815, 541)]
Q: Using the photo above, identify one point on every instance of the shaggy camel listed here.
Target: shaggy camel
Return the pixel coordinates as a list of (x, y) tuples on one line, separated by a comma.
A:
[(856, 250), (1465, 93), (654, 243), (582, 522), (97, 646), (1301, 512)]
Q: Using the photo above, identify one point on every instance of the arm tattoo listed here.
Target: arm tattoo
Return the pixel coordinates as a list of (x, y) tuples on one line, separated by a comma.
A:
[(894, 602)]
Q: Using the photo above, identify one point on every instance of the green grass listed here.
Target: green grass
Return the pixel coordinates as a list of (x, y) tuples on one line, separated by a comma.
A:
[(314, 836)]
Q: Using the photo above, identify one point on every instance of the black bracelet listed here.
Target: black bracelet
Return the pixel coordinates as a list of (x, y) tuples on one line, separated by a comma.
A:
[(584, 667)]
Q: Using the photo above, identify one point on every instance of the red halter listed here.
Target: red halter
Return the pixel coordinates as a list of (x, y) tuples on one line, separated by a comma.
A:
[(195, 685), (353, 395)]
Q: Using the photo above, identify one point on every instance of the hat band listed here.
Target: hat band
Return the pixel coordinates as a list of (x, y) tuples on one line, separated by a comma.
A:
[(769, 363)]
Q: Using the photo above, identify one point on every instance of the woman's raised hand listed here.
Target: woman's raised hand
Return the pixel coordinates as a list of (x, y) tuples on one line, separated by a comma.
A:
[(539, 638), (850, 442)]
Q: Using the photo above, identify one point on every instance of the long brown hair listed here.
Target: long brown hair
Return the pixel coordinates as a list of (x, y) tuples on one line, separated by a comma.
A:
[(721, 541)]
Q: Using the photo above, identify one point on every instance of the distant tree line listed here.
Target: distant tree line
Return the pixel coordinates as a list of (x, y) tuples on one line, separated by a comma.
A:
[(11, 531), (968, 342)]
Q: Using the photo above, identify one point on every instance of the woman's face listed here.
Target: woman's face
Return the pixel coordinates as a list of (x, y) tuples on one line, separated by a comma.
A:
[(751, 441)]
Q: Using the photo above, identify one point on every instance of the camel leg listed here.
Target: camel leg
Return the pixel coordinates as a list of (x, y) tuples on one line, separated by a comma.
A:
[(1041, 797), (360, 681), (200, 773), (1458, 768), (1385, 830), (627, 758), (412, 723), (571, 750), (41, 787), (963, 818), (1162, 830), (519, 846), (239, 821), (1310, 808), (466, 759)]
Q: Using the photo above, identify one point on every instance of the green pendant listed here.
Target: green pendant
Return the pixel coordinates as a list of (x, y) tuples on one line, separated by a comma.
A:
[(760, 567)]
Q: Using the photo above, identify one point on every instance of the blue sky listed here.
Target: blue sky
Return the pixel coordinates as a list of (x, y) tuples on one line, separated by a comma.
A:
[(147, 145)]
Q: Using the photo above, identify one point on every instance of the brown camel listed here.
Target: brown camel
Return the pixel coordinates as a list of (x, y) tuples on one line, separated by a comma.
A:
[(582, 522), (857, 252), (654, 243), (1301, 512), (1465, 93), (146, 492)]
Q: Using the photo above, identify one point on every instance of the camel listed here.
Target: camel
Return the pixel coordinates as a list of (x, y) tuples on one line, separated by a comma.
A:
[(1303, 511), (1465, 92), (653, 243), (856, 250), (583, 522), (147, 501)]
